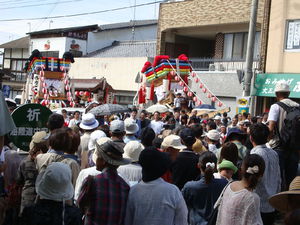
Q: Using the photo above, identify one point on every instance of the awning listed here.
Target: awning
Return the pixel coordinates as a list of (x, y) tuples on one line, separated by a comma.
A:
[(265, 84)]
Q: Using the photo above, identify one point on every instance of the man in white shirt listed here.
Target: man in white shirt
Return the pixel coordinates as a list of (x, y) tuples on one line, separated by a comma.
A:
[(76, 120), (156, 124), (288, 159)]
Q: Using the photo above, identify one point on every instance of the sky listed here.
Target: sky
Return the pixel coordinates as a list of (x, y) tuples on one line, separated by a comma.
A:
[(13, 9)]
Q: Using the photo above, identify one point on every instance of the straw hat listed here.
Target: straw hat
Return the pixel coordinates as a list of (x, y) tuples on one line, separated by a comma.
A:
[(280, 201)]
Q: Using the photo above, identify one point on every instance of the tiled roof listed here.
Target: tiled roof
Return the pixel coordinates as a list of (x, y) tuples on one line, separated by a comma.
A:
[(126, 49), (18, 43), (62, 30)]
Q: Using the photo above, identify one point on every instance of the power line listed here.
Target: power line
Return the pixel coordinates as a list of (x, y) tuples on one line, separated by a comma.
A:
[(82, 14), (33, 5)]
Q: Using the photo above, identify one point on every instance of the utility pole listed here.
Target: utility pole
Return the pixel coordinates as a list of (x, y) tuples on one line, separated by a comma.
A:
[(250, 48)]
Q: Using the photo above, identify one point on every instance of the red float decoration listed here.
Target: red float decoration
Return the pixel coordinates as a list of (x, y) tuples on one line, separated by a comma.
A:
[(214, 99), (185, 89), (201, 85), (195, 99), (196, 79), (209, 95), (204, 90), (177, 78), (190, 94), (81, 93), (181, 83)]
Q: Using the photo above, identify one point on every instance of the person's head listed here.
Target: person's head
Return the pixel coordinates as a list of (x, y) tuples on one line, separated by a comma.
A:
[(253, 169), (131, 127), (235, 134), (198, 130), (194, 112), (143, 115), (282, 90), (133, 114), (55, 121), (154, 163), (176, 115), (178, 95), (211, 126), (172, 144), (245, 116), (132, 150), (224, 114), (229, 151), (76, 115), (259, 134), (234, 121), (109, 155), (265, 116), (55, 183), (89, 122), (156, 116), (207, 164), (157, 142), (60, 140), (239, 117), (95, 135), (205, 116), (64, 113), (117, 129), (223, 129), (217, 120), (226, 168), (188, 137), (75, 138), (184, 119), (38, 144), (213, 137), (147, 136), (255, 119), (293, 217)]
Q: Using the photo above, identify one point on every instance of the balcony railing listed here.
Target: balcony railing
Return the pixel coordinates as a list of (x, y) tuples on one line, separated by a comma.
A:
[(212, 64)]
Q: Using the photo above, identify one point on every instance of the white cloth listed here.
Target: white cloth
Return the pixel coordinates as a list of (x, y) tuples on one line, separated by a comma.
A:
[(156, 202), (131, 172), (270, 183), (239, 208), (73, 123), (213, 148), (81, 177), (157, 126), (219, 176)]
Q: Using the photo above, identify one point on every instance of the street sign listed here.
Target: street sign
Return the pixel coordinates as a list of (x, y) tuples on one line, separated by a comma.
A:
[(243, 104), (29, 118)]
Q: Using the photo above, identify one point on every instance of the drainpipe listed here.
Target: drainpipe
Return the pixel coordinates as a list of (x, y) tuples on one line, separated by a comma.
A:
[(250, 48)]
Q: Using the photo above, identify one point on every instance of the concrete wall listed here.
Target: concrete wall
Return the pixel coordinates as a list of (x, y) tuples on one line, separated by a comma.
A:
[(120, 73), (56, 44), (98, 40), (278, 59), (197, 13)]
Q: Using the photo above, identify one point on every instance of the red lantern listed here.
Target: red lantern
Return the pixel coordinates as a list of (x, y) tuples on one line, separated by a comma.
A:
[(214, 99), (185, 89), (204, 90), (201, 85), (50, 93), (195, 99), (181, 83), (43, 103), (44, 85), (87, 94), (76, 93), (68, 94), (193, 74), (81, 93), (199, 102), (190, 94), (72, 104), (177, 78), (209, 95), (196, 79), (69, 98), (46, 96), (44, 90), (172, 73), (42, 79), (220, 104), (66, 82)]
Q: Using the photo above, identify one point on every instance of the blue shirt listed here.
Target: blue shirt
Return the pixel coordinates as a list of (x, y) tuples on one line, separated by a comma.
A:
[(200, 199)]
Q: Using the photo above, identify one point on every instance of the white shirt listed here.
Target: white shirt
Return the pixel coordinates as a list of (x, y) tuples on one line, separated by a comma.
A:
[(157, 203), (73, 122), (239, 208), (157, 126), (212, 148), (131, 173)]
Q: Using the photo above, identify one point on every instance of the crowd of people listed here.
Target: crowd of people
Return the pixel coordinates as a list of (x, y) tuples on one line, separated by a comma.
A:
[(161, 168)]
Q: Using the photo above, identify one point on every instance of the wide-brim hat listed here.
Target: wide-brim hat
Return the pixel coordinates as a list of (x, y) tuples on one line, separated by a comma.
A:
[(55, 182), (88, 122), (131, 126), (112, 153), (281, 200)]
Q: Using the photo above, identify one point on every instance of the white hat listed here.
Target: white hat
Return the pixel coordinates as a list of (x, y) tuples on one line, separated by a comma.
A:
[(117, 126), (100, 141), (213, 135), (173, 141), (282, 86), (217, 117), (95, 135), (132, 150), (131, 126), (55, 183), (88, 122)]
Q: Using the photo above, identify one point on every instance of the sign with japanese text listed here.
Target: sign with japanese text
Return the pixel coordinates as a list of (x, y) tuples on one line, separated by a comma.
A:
[(265, 84), (29, 118)]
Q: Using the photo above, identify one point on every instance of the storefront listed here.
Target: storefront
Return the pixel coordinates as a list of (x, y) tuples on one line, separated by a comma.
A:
[(264, 87)]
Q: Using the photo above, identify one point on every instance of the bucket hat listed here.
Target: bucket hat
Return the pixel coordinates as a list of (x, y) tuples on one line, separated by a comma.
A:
[(173, 141), (88, 122), (95, 135), (280, 201), (111, 153), (131, 126), (213, 135), (226, 164), (282, 86), (55, 182), (132, 150)]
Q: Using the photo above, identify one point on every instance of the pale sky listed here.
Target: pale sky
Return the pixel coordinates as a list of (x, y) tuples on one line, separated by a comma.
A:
[(34, 9)]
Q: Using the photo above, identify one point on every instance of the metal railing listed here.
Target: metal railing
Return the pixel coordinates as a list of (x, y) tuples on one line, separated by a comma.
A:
[(212, 64)]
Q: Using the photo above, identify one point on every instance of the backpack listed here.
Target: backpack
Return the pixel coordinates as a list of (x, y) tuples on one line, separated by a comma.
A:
[(290, 131)]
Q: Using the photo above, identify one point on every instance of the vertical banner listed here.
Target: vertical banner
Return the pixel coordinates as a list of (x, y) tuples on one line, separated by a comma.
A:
[(243, 104)]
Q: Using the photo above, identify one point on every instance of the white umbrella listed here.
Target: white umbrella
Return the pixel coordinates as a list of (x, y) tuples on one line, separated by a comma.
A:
[(157, 108), (108, 109)]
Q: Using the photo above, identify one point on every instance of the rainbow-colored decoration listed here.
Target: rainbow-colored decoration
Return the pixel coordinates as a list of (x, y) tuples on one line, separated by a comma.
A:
[(164, 67), (49, 64)]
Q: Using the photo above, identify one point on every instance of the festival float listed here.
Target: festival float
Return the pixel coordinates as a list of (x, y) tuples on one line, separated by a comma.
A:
[(48, 82), (165, 77)]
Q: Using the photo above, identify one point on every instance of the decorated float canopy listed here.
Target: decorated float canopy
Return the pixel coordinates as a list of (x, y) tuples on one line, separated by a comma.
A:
[(166, 77)]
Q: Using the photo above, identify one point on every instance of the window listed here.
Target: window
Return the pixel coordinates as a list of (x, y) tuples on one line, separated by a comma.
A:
[(293, 35), (235, 46), (76, 53), (54, 54), (17, 65)]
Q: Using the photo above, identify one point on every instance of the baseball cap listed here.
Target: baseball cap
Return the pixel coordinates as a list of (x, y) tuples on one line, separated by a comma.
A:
[(173, 141)]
